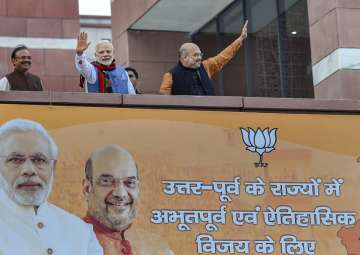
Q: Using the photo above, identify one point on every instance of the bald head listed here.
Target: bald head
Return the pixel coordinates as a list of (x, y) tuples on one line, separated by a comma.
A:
[(190, 55), (109, 157), (111, 187), (104, 52), (186, 48)]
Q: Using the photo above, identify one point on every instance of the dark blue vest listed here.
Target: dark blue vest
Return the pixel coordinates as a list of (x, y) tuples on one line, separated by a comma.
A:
[(188, 81)]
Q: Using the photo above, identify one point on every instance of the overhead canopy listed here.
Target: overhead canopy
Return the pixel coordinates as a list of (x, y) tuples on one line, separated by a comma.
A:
[(192, 15), (180, 15)]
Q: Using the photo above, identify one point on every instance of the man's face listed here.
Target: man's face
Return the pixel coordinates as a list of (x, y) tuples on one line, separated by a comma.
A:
[(22, 60), (132, 77), (26, 168), (104, 54), (114, 193), (192, 58)]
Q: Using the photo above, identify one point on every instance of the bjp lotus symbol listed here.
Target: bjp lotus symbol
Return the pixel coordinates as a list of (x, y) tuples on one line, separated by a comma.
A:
[(259, 141)]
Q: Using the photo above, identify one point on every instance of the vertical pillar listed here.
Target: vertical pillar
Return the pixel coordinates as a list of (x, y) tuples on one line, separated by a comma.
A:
[(151, 53), (335, 48)]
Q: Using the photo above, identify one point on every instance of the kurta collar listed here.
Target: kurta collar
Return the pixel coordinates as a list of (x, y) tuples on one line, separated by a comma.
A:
[(24, 213), (119, 236)]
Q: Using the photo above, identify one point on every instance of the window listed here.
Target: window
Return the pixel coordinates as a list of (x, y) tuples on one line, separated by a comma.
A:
[(275, 61)]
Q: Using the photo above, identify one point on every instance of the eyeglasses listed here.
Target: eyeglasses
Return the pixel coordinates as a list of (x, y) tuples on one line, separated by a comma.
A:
[(24, 57), (131, 76), (109, 181), (197, 55), (38, 160)]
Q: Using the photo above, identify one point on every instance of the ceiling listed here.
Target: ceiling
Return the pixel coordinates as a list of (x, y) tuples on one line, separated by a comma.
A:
[(180, 15)]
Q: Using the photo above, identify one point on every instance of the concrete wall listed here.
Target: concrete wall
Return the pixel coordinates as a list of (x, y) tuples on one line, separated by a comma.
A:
[(153, 54)]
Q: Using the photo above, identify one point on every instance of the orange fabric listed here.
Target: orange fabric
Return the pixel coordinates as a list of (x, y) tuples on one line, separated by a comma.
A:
[(112, 242), (212, 66), (166, 85), (138, 242)]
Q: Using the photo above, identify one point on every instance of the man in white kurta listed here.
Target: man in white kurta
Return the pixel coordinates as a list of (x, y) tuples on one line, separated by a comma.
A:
[(102, 75), (49, 231), (29, 224)]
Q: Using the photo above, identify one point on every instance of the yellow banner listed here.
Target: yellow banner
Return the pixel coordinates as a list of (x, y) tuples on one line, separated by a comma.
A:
[(214, 182)]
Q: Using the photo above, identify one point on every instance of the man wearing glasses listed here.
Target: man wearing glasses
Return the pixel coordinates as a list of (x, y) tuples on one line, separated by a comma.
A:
[(21, 78), (112, 192), (29, 223), (192, 75)]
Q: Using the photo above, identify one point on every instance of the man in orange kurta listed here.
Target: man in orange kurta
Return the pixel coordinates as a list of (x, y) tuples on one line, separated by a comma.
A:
[(191, 76), (111, 188)]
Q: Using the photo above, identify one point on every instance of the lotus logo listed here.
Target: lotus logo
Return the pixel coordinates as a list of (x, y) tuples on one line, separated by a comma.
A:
[(261, 141)]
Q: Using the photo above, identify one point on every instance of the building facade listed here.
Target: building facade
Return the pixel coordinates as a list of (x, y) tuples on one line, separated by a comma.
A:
[(295, 48), (98, 28)]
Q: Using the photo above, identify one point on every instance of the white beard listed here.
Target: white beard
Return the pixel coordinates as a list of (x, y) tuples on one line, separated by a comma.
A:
[(105, 62), (27, 199)]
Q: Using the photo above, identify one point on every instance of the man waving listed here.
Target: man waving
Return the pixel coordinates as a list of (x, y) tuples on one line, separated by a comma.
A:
[(102, 75)]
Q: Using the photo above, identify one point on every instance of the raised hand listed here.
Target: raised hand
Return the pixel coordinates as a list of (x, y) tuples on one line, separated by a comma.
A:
[(82, 43), (243, 34)]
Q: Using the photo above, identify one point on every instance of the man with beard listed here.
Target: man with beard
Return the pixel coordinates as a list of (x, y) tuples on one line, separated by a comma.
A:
[(192, 76), (111, 188), (103, 75), (21, 78), (29, 224)]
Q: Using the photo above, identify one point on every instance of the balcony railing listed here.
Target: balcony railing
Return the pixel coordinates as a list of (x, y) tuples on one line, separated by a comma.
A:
[(182, 102)]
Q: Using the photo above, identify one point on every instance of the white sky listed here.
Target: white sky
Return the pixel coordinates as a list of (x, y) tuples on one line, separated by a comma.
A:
[(94, 7)]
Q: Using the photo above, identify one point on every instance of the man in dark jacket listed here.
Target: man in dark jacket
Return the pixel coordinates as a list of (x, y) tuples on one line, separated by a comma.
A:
[(21, 78), (191, 76)]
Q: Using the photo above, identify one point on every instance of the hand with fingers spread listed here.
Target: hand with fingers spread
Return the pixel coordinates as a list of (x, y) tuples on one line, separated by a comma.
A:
[(82, 43)]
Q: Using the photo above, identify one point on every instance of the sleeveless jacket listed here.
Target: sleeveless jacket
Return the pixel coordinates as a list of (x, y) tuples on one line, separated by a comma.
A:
[(119, 81), (188, 81), (24, 81)]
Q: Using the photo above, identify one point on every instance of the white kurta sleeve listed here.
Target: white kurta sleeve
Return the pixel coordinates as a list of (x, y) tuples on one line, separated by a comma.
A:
[(130, 86), (94, 245), (4, 84), (85, 68)]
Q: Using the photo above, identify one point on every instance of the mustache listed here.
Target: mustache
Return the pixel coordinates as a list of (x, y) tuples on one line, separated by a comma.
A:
[(105, 60), (26, 62), (22, 180), (118, 200)]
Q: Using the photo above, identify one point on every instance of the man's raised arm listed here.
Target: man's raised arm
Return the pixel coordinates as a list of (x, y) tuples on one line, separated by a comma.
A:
[(82, 65)]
